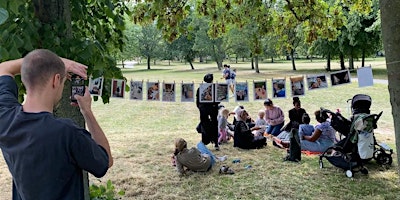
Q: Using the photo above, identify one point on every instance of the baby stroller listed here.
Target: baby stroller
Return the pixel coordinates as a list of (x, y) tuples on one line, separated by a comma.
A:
[(359, 144)]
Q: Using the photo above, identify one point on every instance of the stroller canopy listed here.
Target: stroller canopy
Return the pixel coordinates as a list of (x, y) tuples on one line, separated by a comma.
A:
[(361, 103)]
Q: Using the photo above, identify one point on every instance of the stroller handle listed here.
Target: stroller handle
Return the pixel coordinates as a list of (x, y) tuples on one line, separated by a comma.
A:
[(327, 111)]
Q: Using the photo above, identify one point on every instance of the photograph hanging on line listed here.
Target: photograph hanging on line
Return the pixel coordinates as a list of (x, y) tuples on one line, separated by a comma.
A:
[(187, 92), (136, 90), (206, 92), (340, 77), (316, 81), (241, 91), (221, 92), (118, 88), (96, 86), (260, 90), (168, 92), (365, 77), (279, 88), (297, 85), (153, 91)]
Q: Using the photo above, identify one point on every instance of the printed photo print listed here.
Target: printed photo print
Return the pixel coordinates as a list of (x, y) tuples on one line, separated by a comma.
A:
[(206, 92), (279, 88), (316, 81), (297, 84), (118, 88), (365, 77), (153, 91), (260, 90), (221, 92), (340, 77), (136, 90), (168, 92), (187, 92), (96, 86), (241, 91)]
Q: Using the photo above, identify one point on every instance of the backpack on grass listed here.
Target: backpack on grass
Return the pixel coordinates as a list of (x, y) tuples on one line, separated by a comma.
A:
[(294, 152)]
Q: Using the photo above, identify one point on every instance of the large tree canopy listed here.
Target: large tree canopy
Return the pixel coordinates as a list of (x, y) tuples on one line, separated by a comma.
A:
[(85, 31), (318, 18)]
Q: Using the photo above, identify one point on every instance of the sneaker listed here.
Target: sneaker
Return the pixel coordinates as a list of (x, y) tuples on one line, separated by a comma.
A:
[(217, 148), (226, 170), (222, 158)]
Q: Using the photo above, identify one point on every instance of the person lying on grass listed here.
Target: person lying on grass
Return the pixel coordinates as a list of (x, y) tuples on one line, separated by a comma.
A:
[(199, 159)]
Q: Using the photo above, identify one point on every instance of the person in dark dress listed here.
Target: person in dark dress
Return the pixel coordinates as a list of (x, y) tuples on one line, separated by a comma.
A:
[(208, 116), (243, 137)]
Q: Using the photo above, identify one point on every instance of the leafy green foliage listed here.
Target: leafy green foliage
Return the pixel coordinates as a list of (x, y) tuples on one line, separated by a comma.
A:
[(3, 15), (93, 30), (105, 192)]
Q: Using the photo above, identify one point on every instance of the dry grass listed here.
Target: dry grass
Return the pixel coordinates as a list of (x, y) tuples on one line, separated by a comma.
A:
[(141, 134)]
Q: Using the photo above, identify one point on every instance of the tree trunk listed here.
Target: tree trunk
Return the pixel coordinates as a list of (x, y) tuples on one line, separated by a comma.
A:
[(272, 59), (293, 62), (256, 64), (49, 12), (363, 58), (191, 64), (148, 62), (351, 62), (236, 59), (342, 61), (328, 62), (390, 22)]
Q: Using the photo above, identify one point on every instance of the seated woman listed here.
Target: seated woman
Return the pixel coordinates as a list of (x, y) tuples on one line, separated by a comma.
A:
[(199, 159), (249, 121), (295, 115), (274, 117), (243, 137), (323, 136)]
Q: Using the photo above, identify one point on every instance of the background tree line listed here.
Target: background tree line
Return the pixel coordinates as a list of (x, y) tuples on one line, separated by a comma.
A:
[(252, 30)]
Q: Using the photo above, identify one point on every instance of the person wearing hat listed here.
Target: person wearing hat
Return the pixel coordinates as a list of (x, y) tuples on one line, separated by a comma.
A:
[(208, 116), (274, 117), (199, 159), (243, 136)]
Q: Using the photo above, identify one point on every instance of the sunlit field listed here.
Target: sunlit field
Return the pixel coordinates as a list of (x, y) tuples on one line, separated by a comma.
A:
[(142, 134)]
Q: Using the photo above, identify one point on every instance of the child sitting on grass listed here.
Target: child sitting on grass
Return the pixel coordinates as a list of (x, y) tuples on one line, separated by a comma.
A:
[(305, 129), (261, 123)]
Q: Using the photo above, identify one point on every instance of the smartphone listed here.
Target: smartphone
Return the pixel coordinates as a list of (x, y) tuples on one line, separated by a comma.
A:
[(77, 86)]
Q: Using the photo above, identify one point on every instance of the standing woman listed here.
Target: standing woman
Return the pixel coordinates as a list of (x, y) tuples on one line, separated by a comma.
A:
[(208, 116), (274, 117)]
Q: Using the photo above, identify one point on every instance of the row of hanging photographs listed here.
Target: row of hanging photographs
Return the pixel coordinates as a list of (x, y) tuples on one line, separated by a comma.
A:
[(219, 92)]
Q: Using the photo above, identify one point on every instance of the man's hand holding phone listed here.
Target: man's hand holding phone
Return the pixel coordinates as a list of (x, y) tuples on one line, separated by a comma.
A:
[(77, 87)]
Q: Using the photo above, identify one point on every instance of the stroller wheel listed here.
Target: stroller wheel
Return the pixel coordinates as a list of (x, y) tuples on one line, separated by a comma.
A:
[(321, 164), (349, 173), (384, 159), (364, 171)]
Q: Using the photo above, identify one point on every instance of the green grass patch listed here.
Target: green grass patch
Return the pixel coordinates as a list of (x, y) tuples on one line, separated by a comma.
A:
[(142, 134)]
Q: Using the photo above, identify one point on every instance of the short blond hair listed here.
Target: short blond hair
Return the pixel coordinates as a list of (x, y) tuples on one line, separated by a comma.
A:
[(224, 112)]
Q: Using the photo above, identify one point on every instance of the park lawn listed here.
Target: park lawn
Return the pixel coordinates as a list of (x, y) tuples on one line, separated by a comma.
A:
[(142, 134)]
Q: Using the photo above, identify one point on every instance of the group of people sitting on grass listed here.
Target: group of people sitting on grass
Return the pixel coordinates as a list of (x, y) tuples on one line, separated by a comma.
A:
[(248, 133)]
